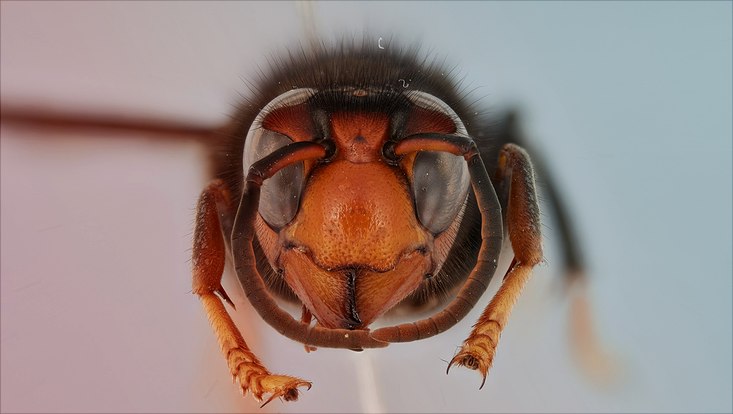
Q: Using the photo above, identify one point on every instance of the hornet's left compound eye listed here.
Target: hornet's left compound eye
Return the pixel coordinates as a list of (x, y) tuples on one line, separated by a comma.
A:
[(440, 180), (280, 194), (440, 186)]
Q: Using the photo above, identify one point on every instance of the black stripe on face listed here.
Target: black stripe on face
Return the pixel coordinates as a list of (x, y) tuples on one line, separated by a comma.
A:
[(354, 321)]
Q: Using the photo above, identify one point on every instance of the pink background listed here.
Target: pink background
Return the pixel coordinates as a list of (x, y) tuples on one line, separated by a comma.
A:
[(629, 102)]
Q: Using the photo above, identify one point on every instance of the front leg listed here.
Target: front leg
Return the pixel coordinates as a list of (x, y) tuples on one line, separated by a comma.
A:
[(209, 253), (522, 215)]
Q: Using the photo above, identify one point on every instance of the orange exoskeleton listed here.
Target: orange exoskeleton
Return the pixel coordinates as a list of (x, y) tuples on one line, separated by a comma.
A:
[(357, 181)]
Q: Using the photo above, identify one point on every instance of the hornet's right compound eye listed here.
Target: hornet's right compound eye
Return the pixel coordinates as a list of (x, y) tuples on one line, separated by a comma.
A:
[(280, 194)]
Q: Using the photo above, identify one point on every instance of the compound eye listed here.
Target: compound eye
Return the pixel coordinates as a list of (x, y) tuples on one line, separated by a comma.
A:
[(280, 194), (440, 186), (440, 180)]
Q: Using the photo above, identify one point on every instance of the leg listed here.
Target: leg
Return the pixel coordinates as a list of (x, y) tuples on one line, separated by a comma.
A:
[(523, 223), (587, 347), (573, 261), (209, 253)]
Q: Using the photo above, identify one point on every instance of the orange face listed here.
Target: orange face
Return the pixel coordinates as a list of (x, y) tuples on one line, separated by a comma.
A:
[(356, 247)]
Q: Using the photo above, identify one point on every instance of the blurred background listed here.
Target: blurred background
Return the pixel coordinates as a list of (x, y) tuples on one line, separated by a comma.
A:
[(630, 104)]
